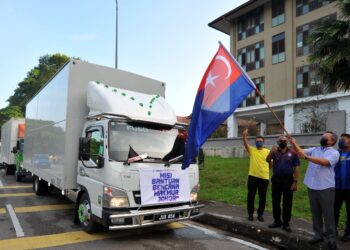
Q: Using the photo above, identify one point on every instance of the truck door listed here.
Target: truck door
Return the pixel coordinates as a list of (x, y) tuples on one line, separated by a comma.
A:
[(90, 176)]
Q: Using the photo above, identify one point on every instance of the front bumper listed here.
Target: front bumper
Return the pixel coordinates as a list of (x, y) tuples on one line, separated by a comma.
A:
[(145, 218)]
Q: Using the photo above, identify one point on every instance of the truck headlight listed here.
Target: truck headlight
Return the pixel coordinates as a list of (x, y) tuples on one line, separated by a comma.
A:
[(194, 192), (114, 198)]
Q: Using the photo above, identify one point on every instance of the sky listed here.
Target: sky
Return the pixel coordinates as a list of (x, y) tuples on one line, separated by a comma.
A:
[(167, 40)]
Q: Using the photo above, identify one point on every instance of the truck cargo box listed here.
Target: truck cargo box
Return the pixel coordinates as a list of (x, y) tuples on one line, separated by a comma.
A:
[(11, 131), (55, 118)]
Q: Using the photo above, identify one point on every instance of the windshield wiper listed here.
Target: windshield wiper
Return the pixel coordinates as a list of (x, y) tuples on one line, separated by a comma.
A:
[(173, 160)]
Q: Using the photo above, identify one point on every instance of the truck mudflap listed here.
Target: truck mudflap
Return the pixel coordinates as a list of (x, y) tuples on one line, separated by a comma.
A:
[(151, 217)]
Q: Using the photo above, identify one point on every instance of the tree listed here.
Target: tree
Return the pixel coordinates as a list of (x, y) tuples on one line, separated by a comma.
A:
[(36, 78), (331, 41)]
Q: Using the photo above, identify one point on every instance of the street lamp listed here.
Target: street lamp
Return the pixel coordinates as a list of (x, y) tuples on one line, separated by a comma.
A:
[(116, 35)]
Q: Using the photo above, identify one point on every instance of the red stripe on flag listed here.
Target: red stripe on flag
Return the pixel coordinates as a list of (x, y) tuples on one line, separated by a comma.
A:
[(220, 74)]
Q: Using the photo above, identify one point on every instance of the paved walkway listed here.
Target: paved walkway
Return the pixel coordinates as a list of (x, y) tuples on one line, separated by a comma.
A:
[(234, 219)]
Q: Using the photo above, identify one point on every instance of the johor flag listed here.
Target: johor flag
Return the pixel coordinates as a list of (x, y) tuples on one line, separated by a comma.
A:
[(223, 87)]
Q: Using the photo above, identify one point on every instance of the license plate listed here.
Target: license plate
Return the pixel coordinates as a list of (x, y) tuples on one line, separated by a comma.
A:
[(169, 216)]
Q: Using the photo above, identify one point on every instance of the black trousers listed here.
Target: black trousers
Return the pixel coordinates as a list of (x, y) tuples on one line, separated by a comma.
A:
[(281, 187), (254, 184), (342, 195)]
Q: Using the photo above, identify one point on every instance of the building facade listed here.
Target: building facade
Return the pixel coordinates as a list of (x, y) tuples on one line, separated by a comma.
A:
[(269, 38)]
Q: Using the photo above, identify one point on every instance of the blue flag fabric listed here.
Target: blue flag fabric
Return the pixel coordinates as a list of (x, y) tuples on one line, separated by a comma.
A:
[(223, 87)]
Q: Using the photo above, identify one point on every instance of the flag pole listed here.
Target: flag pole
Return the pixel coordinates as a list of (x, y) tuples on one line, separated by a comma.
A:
[(256, 89)]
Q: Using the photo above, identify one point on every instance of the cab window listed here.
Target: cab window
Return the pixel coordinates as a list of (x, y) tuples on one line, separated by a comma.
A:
[(96, 143)]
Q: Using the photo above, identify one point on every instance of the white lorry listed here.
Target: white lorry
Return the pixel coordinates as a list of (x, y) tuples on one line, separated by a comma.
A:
[(12, 134), (108, 140)]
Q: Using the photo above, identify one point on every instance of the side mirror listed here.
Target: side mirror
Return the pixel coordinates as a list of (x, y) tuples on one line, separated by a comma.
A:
[(100, 162), (14, 150), (84, 148)]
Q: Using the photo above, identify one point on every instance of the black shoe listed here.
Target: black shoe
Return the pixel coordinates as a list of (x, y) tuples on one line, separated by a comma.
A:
[(250, 218), (315, 240), (260, 218), (346, 237), (275, 224), (287, 228), (332, 246)]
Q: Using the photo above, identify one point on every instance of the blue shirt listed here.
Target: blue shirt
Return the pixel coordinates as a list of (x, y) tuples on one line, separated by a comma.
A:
[(284, 163), (342, 171), (319, 177)]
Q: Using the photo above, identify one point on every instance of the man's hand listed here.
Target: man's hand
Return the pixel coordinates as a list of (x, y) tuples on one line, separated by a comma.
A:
[(294, 186), (245, 132), (292, 140)]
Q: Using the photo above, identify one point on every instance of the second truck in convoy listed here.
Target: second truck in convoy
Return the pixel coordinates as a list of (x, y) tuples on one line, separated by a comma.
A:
[(11, 154), (109, 141)]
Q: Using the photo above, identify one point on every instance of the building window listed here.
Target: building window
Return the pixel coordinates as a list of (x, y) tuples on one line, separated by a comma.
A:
[(303, 32), (305, 6), (307, 82), (251, 23), (277, 12), (278, 48), (253, 98), (252, 57)]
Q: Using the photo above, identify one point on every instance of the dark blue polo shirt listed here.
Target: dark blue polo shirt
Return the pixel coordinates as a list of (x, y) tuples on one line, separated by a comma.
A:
[(284, 163), (342, 171)]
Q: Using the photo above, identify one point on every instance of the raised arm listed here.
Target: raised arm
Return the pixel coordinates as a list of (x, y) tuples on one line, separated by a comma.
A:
[(300, 152), (245, 140)]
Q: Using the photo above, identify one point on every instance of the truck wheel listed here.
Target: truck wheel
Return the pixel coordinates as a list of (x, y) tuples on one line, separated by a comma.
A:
[(40, 187), (85, 216)]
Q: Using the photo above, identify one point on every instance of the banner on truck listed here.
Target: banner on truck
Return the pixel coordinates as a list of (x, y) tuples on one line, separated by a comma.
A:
[(164, 186)]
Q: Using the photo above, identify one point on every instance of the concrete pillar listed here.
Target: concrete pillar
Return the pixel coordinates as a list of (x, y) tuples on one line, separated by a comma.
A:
[(289, 118), (344, 104), (232, 126), (262, 128)]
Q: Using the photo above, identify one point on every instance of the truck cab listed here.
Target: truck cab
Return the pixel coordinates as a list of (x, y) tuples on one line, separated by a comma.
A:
[(116, 149)]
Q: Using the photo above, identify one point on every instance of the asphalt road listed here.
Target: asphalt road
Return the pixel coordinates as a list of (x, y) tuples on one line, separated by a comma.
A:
[(28, 221)]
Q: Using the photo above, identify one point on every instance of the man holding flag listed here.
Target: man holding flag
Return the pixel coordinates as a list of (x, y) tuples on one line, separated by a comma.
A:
[(223, 87)]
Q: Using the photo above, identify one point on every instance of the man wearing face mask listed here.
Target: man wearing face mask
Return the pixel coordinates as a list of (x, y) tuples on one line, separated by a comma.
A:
[(285, 167), (258, 176), (342, 183), (319, 179)]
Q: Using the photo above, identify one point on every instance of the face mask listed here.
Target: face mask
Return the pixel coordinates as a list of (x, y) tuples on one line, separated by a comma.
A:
[(259, 144), (282, 144), (323, 142), (341, 144)]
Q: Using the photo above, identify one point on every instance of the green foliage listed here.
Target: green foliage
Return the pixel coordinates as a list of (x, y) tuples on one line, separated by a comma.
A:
[(8, 112), (36, 78), (220, 132), (331, 41)]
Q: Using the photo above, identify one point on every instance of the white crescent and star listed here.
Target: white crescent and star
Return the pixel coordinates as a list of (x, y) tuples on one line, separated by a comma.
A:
[(210, 78)]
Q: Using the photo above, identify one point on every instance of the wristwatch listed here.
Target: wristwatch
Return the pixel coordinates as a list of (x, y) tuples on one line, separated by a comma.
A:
[(305, 157)]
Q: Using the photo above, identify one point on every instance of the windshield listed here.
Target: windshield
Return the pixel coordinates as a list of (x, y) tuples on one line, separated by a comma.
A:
[(158, 143)]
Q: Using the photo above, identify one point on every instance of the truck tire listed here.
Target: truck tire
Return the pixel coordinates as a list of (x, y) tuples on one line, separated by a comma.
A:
[(40, 187), (85, 216)]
